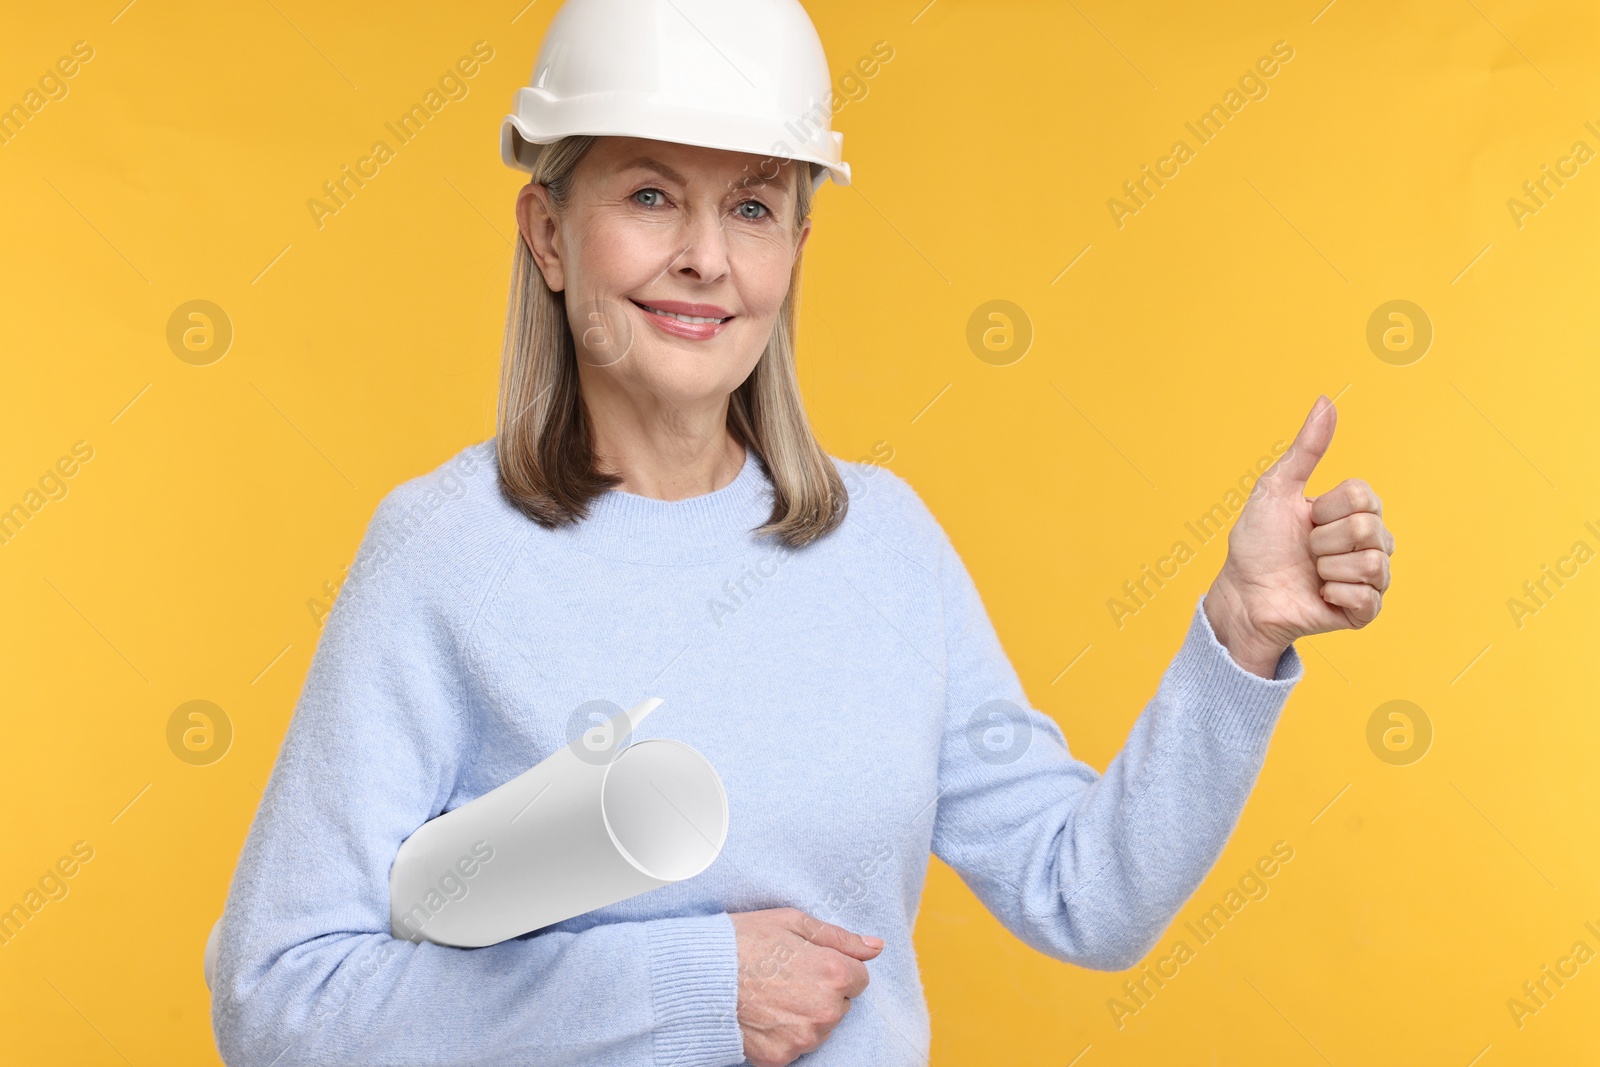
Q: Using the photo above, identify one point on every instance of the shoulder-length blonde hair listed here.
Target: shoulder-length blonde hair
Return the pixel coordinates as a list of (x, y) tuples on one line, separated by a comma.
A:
[(543, 439)]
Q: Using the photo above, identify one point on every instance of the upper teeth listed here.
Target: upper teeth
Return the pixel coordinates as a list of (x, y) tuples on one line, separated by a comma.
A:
[(680, 318)]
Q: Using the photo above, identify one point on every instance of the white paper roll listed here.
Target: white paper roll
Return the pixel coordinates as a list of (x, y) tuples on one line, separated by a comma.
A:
[(569, 835)]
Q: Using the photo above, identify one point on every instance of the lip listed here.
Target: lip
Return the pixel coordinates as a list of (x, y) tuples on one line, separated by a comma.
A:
[(695, 331), (699, 311)]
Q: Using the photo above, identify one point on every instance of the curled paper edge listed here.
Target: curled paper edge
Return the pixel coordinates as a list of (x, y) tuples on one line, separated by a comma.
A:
[(567, 836)]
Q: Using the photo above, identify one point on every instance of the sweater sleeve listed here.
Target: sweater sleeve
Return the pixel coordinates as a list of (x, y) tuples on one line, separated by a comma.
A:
[(1084, 867), (307, 970)]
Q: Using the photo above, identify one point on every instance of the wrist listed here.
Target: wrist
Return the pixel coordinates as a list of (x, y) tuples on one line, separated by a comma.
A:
[(693, 964), (1251, 649)]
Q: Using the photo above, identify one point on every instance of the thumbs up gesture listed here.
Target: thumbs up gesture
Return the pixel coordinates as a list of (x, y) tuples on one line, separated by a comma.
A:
[(1298, 566)]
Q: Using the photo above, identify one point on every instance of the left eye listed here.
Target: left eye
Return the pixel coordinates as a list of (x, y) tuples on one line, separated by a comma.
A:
[(761, 212)]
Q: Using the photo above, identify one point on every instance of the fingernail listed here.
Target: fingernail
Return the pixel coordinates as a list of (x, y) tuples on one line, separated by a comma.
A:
[(873, 942)]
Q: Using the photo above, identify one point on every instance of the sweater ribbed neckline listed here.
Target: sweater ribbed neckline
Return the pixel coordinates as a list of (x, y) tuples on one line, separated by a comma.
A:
[(640, 529)]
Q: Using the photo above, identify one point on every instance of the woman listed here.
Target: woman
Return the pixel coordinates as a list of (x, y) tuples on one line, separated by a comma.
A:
[(654, 517)]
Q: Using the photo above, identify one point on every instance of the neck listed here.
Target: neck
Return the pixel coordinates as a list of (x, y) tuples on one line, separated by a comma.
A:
[(661, 450)]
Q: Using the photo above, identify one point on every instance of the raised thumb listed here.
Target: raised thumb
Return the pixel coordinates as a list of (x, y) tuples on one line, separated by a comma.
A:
[(1294, 467)]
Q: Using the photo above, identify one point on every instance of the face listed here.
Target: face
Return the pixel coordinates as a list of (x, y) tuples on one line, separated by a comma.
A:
[(654, 227)]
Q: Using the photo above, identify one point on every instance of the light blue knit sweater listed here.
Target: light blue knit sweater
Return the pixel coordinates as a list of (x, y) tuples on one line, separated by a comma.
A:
[(852, 695)]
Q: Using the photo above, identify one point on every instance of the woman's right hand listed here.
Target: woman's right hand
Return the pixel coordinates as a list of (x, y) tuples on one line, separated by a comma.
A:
[(796, 977)]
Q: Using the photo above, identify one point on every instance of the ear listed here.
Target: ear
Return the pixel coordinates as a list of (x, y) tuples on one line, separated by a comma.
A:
[(805, 231), (541, 234)]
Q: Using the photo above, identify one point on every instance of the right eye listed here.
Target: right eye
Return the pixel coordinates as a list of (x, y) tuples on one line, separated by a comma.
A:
[(648, 192)]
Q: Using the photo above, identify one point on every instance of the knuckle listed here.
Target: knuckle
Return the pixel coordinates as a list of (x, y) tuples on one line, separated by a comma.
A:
[(818, 1021)]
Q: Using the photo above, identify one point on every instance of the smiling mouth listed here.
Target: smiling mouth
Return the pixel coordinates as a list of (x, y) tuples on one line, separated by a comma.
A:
[(675, 315)]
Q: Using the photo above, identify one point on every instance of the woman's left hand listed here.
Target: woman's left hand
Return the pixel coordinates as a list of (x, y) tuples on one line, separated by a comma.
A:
[(1298, 566)]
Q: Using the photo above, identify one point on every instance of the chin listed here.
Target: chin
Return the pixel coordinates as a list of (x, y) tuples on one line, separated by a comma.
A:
[(692, 374), (689, 391)]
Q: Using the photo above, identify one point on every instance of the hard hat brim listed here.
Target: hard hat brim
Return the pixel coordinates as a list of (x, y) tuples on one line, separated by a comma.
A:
[(521, 142)]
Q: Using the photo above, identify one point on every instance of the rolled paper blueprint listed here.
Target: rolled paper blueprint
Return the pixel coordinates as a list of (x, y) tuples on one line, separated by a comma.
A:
[(575, 832)]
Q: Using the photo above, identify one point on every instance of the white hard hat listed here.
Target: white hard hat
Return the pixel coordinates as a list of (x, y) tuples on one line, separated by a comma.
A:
[(744, 75)]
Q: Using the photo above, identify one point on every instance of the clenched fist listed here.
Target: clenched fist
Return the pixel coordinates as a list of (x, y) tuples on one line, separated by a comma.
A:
[(796, 977), (1299, 566)]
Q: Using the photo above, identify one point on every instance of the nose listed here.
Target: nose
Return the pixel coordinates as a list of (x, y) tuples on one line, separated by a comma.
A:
[(705, 253)]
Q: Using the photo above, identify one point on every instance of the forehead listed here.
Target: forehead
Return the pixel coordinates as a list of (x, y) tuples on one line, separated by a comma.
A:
[(690, 164)]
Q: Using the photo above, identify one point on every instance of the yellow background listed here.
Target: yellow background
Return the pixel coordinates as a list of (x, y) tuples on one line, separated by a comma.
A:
[(1175, 351)]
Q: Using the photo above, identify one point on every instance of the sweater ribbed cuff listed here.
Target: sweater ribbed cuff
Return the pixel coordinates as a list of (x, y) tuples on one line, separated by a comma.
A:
[(694, 985), (1236, 706)]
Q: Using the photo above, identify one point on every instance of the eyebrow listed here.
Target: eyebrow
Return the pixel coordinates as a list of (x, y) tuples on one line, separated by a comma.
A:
[(665, 171), (657, 166)]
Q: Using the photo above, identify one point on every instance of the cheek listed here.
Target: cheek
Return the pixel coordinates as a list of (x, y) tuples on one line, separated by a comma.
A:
[(613, 259), (607, 254), (761, 272)]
